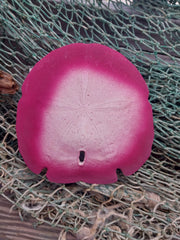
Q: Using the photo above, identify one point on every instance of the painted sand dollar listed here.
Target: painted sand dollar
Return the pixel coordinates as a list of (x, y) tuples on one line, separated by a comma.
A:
[(84, 113)]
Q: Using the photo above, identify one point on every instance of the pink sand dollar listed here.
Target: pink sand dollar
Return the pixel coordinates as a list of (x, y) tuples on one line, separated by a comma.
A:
[(84, 112)]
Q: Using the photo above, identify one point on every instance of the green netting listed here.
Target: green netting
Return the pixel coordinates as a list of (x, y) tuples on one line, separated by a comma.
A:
[(145, 205)]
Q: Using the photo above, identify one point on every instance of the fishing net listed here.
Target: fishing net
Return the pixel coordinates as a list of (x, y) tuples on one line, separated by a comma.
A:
[(145, 205)]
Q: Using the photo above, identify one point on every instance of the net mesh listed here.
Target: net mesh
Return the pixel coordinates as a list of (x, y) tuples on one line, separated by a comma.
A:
[(145, 205)]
